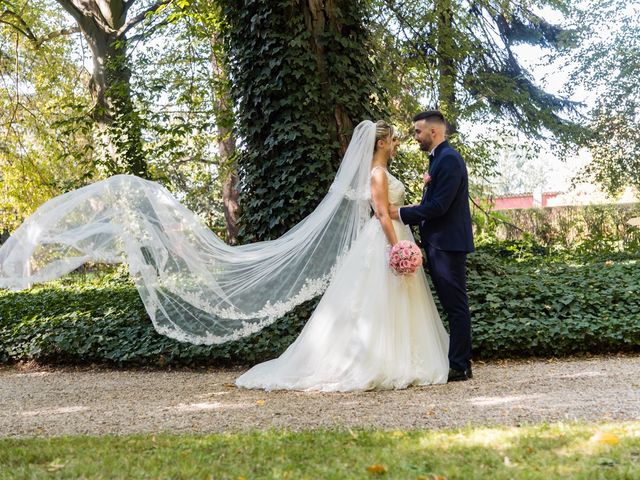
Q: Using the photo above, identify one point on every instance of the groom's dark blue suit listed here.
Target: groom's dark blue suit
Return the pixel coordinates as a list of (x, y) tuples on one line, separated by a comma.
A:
[(445, 228)]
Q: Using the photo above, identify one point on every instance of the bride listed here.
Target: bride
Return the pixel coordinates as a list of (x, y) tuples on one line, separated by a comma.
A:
[(372, 329)]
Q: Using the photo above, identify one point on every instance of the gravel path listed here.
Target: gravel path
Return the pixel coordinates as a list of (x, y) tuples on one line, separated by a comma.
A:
[(51, 402)]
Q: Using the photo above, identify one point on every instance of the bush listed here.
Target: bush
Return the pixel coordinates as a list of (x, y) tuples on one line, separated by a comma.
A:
[(100, 318), (584, 228), (556, 309), (518, 309)]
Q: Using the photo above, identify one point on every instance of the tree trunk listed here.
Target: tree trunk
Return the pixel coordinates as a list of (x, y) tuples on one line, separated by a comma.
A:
[(320, 17), (230, 197), (226, 143), (447, 102), (117, 123), (303, 74)]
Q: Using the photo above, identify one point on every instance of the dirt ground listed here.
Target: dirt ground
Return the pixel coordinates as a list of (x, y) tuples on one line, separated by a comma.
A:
[(37, 401)]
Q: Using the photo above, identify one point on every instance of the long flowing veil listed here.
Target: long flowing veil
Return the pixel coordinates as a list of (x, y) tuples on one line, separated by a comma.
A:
[(195, 287)]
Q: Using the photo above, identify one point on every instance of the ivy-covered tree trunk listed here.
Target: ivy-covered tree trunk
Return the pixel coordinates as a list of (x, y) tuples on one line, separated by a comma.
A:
[(118, 127), (117, 122), (320, 17), (302, 77)]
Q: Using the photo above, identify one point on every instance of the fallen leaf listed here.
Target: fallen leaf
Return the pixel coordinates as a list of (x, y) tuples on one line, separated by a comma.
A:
[(377, 469), (605, 438), (55, 465), (260, 402)]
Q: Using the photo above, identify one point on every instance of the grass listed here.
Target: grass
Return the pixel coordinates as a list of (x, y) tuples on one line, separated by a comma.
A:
[(566, 450)]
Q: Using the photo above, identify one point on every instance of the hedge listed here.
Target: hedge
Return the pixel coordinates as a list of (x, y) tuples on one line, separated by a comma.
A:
[(531, 308)]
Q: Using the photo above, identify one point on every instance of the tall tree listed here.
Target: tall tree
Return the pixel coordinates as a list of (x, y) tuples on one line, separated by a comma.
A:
[(106, 24), (302, 75), (226, 139), (182, 89), (461, 58)]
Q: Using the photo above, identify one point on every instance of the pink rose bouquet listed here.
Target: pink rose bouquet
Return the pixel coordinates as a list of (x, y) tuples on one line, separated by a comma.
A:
[(405, 257)]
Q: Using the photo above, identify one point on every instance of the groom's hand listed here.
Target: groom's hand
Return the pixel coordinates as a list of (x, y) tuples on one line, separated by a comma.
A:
[(393, 212)]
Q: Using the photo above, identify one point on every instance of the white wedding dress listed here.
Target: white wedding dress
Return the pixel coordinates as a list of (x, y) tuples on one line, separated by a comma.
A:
[(371, 330)]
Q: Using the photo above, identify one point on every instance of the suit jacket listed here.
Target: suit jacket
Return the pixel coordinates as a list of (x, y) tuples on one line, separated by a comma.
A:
[(443, 214)]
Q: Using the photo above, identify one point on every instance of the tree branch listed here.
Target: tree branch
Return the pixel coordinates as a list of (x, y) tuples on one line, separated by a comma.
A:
[(141, 16), (22, 26), (146, 33), (25, 30), (59, 33), (488, 215), (83, 15)]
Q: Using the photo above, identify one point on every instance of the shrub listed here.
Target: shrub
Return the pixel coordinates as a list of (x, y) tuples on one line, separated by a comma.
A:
[(100, 318), (518, 309), (556, 309), (585, 228)]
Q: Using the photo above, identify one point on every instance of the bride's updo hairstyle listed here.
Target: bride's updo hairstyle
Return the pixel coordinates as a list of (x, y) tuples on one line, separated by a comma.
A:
[(383, 130)]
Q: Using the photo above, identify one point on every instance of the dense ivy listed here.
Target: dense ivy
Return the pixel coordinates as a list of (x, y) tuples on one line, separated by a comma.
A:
[(102, 319), (292, 82), (555, 309), (518, 309)]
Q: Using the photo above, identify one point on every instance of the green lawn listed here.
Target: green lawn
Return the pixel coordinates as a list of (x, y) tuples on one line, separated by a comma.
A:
[(585, 451)]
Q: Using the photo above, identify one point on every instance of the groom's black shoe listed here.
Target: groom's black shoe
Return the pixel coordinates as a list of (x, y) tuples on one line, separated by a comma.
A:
[(460, 375)]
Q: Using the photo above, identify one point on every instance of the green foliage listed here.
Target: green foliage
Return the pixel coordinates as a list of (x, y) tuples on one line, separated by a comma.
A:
[(290, 84), (462, 57), (578, 230), (46, 147), (556, 309), (178, 93), (408, 166), (607, 67), (535, 307), (100, 318)]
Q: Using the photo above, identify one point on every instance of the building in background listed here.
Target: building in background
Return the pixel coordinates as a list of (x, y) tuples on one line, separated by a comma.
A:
[(582, 194)]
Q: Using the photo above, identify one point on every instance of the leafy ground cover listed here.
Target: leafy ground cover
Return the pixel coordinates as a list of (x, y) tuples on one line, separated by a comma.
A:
[(520, 305)]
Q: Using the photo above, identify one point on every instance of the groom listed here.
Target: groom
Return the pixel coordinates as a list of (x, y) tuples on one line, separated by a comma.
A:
[(445, 229)]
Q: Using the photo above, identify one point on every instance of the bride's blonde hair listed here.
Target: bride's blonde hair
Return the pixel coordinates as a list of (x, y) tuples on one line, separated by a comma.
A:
[(383, 130)]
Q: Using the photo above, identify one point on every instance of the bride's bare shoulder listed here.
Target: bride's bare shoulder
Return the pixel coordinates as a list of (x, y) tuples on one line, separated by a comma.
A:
[(378, 170)]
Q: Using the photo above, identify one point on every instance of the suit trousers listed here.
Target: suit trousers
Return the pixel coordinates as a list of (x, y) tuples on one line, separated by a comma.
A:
[(448, 273)]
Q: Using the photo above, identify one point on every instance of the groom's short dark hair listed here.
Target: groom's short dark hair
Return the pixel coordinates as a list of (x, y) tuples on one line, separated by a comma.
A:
[(433, 115)]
